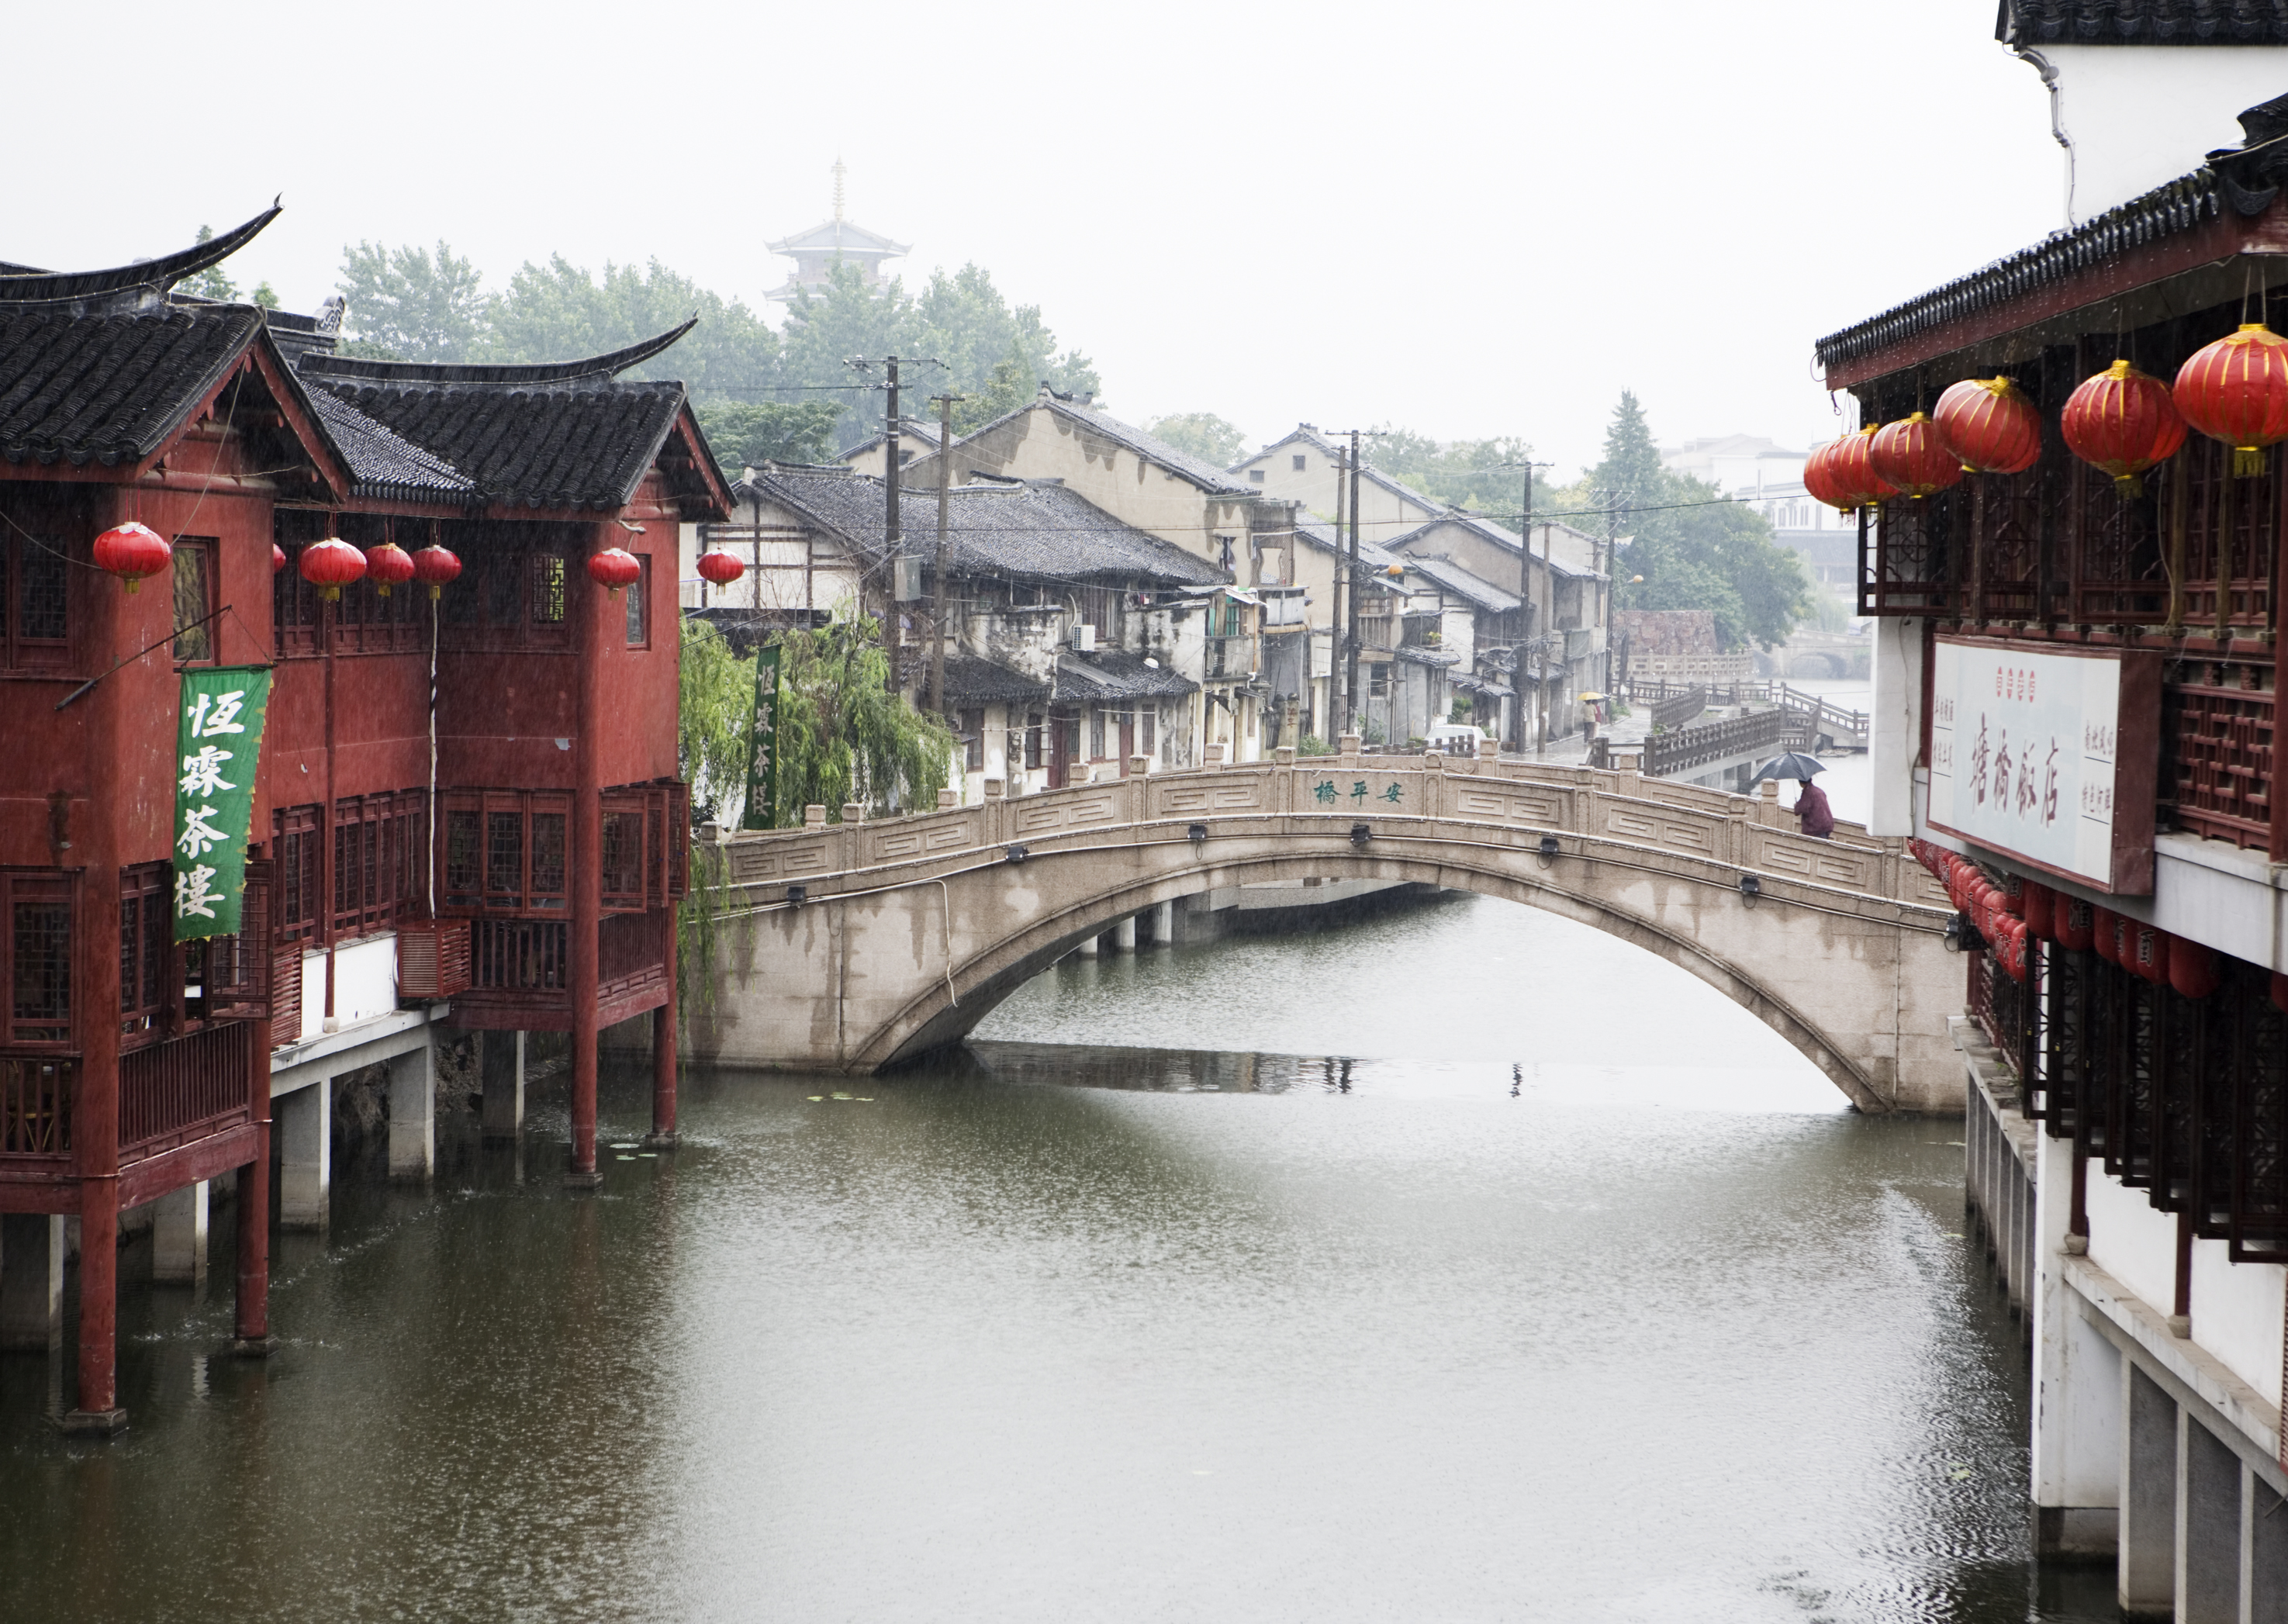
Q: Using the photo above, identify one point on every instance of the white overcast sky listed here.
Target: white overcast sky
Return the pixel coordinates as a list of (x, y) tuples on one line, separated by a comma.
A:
[(1470, 219)]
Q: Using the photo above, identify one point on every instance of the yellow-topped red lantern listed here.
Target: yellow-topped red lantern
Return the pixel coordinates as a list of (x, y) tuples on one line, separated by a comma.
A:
[(330, 565), (1840, 475), (2123, 421), (388, 566), (1909, 455), (132, 551), (1989, 426), (2236, 390)]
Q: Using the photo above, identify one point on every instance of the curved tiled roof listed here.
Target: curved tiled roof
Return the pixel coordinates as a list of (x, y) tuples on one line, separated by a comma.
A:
[(147, 279), (527, 373), (109, 389), (2165, 211), (564, 447), (1036, 531), (2143, 22), (385, 464)]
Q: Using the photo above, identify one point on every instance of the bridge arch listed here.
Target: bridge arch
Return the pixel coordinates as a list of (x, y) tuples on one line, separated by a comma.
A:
[(862, 946), (944, 1012)]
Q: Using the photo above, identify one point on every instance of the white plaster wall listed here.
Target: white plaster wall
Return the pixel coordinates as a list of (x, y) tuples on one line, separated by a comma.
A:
[(365, 982), (2134, 1243), (2237, 1313), (2138, 116), (1895, 733)]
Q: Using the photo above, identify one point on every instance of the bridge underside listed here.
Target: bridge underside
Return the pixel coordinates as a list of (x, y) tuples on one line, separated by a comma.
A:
[(879, 964)]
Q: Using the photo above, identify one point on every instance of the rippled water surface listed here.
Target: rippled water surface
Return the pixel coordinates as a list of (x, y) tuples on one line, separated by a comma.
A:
[(1459, 1265)]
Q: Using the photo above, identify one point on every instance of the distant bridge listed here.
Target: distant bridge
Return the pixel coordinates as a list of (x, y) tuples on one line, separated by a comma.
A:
[(858, 946)]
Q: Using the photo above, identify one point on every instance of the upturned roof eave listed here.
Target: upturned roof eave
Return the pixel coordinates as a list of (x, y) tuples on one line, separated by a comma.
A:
[(2128, 252)]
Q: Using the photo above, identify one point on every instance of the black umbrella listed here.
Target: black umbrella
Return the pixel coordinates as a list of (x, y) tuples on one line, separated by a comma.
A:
[(1789, 764)]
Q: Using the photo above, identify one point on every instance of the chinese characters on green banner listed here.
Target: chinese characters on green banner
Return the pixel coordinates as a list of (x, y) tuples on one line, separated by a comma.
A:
[(219, 743), (762, 745)]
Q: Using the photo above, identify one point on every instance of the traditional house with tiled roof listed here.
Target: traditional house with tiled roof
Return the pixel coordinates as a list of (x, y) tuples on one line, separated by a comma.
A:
[(1079, 643), (1155, 486), (456, 809)]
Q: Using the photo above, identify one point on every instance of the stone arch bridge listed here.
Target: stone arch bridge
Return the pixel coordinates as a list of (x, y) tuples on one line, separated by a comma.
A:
[(858, 946)]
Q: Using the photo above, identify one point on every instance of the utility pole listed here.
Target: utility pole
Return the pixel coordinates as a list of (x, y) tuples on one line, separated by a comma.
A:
[(937, 616), (1350, 629), (1541, 638), (891, 533)]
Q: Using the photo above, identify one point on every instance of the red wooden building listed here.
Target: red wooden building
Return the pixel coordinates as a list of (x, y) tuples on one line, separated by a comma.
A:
[(476, 787)]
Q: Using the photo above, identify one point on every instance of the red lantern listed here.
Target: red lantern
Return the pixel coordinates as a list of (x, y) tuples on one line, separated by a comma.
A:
[(331, 565), (2146, 951), (2236, 390), (277, 558), (614, 568), (720, 567), (2076, 927), (1908, 454), (388, 566), (1822, 481), (1989, 426), (2040, 910), (2193, 967), (2279, 991), (2013, 953), (2013, 895), (1851, 480), (132, 551), (436, 568), (2105, 933), (2124, 421)]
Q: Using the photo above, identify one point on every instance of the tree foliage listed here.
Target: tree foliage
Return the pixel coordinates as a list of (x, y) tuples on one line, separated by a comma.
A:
[(414, 304), (844, 733), (1483, 475), (406, 305), (716, 690), (1695, 548), (1204, 434), (743, 433)]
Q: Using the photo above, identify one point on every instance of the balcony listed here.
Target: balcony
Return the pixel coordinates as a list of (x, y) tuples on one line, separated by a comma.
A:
[(1233, 659)]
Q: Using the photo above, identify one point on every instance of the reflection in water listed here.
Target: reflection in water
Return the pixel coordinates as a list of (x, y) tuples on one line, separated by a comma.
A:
[(1485, 1328)]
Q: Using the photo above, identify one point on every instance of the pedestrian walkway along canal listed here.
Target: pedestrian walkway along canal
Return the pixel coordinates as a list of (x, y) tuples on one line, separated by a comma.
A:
[(1461, 1264)]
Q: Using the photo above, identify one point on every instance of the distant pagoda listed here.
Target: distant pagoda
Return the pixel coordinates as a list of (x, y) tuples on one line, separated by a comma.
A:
[(817, 251)]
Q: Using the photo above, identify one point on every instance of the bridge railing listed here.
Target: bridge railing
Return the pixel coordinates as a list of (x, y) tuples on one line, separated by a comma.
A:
[(1513, 806)]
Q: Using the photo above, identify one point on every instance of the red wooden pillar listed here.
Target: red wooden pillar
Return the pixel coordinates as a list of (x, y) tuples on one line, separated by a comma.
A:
[(663, 1046), (117, 621), (590, 603), (254, 1338)]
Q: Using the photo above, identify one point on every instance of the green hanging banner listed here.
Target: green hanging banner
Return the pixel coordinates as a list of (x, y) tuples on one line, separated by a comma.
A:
[(763, 745), (219, 743)]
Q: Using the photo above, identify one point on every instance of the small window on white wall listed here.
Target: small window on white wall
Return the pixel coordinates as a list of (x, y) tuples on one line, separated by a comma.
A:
[(1300, 464), (1256, 474)]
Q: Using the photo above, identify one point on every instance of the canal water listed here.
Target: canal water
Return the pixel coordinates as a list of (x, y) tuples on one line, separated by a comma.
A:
[(1460, 1265)]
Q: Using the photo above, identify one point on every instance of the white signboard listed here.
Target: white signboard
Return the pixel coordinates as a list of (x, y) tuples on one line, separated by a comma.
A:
[(2028, 756)]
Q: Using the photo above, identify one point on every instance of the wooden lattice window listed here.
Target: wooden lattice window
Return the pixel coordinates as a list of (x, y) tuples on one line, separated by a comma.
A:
[(146, 951), (509, 599), (637, 594), (380, 859), (193, 566), (2218, 728), (295, 855), (369, 623), (507, 851), (34, 622), (35, 938)]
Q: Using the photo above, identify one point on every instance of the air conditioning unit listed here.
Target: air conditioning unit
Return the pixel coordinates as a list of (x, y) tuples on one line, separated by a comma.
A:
[(432, 959), (1083, 638), (909, 584)]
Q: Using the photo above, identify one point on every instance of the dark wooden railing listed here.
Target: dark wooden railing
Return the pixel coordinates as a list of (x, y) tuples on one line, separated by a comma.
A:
[(1675, 710), (35, 1093), (181, 1090), (1668, 754), (523, 955)]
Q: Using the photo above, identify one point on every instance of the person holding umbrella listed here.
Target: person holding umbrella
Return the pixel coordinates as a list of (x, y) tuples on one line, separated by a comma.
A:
[(1811, 802)]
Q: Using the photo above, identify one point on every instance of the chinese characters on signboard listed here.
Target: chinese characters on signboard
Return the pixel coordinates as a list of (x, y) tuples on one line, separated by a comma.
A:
[(218, 747), (2025, 756), (1357, 792)]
